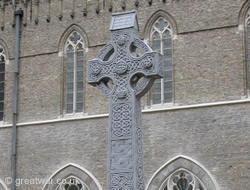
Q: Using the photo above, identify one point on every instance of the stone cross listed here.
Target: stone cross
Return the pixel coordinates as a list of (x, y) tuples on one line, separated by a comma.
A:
[(124, 76)]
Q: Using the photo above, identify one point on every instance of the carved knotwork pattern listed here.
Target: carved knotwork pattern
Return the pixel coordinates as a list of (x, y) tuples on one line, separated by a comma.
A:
[(139, 147), (104, 89), (123, 64), (140, 44), (121, 154), (142, 85), (98, 70), (122, 181), (107, 48), (121, 94), (120, 39), (121, 120)]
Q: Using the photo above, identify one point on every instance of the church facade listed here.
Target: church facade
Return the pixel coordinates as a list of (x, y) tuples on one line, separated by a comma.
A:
[(195, 120)]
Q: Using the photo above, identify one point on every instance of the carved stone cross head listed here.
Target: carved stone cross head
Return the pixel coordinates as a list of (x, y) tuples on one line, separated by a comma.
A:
[(132, 74), (120, 62)]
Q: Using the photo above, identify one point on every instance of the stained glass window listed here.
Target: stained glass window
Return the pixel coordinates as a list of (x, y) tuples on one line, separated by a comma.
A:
[(2, 76), (74, 63), (248, 49), (161, 40), (184, 180)]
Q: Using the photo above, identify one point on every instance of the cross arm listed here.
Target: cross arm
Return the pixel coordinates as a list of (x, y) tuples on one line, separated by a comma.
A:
[(150, 65), (98, 70)]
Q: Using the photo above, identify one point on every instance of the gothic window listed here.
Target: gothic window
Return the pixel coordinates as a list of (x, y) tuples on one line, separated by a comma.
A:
[(2, 73), (73, 82), (183, 180), (72, 183), (248, 49), (161, 40), (72, 177), (182, 173)]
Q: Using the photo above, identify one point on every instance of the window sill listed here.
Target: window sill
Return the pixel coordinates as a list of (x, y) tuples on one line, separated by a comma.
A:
[(4, 124), (73, 115), (158, 106)]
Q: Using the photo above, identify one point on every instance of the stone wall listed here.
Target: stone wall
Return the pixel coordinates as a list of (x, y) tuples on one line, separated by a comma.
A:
[(216, 137), (207, 52)]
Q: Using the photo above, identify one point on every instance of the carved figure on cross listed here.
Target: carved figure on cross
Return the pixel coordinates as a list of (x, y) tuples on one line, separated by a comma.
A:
[(131, 75)]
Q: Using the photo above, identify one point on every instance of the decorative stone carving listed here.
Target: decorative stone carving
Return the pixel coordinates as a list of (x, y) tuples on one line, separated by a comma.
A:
[(118, 62), (121, 181), (122, 154)]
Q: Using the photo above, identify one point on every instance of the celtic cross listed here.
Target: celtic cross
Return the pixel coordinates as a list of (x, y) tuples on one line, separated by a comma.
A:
[(124, 76)]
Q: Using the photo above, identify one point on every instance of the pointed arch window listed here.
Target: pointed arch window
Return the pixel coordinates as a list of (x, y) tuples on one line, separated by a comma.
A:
[(72, 177), (73, 82), (182, 173), (248, 49), (2, 76), (161, 40)]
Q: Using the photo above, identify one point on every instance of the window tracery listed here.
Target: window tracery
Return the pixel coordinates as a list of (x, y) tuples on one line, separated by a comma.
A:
[(161, 40), (183, 180), (74, 65)]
